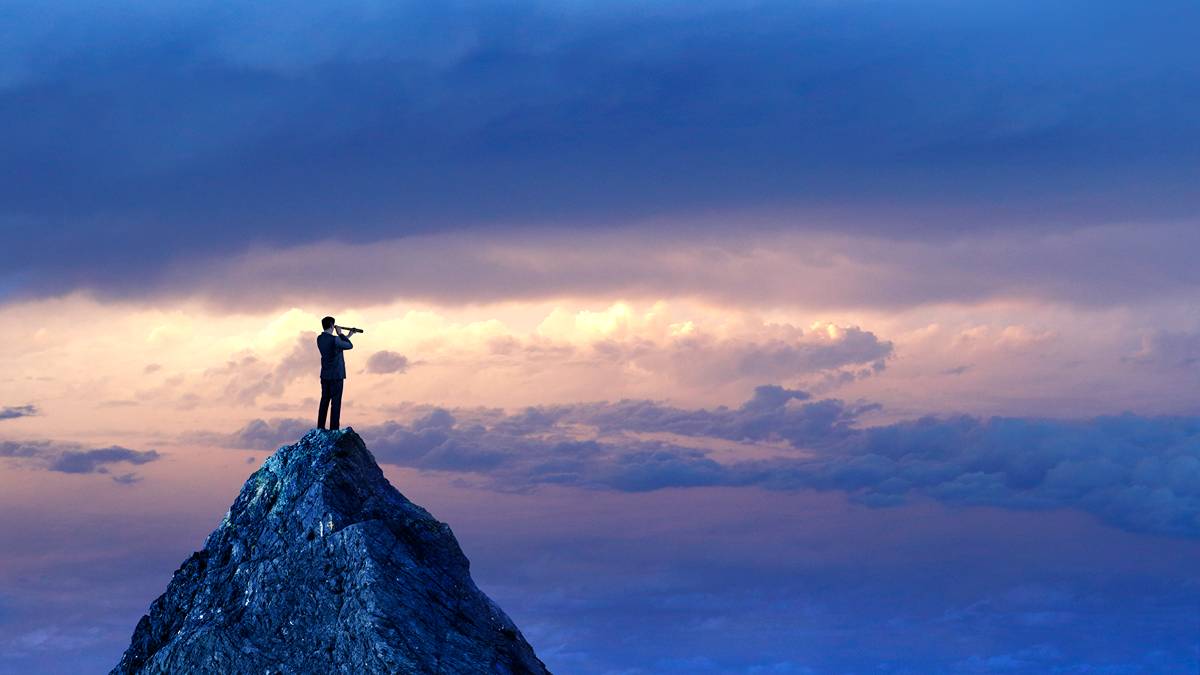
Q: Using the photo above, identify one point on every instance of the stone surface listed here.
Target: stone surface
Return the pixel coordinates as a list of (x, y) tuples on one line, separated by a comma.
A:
[(321, 566)]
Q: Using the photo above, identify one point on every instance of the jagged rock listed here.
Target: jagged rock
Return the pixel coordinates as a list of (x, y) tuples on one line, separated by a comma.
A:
[(321, 566)]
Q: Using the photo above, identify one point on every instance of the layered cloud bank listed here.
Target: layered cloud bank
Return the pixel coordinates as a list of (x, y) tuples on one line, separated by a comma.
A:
[(1137, 473), (176, 137), (737, 261)]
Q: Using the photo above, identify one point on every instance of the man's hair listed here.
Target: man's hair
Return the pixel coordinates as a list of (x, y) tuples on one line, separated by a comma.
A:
[(327, 323)]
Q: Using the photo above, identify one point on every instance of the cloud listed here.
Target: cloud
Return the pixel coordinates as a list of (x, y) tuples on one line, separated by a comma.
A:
[(260, 434), (1137, 473), (1168, 350), (766, 416), (97, 460), (406, 119), (1012, 338), (757, 266), (663, 344), (14, 411), (778, 351), (384, 362), (246, 377), (65, 457)]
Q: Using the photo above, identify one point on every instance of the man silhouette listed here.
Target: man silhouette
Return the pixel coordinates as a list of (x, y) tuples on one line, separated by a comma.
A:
[(333, 372)]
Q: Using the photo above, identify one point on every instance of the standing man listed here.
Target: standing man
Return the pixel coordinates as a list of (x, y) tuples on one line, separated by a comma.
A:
[(333, 372)]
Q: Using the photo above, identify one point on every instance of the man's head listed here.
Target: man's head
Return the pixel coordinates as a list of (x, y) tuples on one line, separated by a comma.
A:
[(327, 323)]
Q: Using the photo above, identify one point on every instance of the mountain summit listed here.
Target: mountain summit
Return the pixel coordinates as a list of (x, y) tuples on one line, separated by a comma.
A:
[(321, 566)]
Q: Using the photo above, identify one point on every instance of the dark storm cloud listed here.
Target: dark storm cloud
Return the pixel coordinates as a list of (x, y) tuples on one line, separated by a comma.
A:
[(1137, 473), (72, 458), (12, 412), (139, 137)]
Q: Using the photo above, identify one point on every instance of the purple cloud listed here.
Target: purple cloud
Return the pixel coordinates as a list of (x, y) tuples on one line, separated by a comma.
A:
[(97, 460), (1138, 473), (65, 457), (857, 122), (14, 411)]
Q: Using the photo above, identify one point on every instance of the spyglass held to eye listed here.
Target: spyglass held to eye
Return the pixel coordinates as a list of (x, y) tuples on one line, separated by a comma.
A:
[(350, 330)]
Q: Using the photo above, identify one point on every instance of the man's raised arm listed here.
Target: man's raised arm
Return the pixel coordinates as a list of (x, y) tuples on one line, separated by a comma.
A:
[(343, 342)]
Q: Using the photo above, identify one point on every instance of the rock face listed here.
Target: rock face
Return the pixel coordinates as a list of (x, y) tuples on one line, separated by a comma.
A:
[(321, 566)]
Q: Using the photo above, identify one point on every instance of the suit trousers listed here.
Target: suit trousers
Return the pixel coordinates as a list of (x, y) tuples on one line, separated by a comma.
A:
[(331, 397)]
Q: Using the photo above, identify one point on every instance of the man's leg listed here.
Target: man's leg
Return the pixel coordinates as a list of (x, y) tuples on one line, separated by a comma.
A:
[(335, 409), (325, 395)]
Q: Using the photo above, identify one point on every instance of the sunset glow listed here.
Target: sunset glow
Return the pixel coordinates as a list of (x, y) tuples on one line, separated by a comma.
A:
[(788, 337)]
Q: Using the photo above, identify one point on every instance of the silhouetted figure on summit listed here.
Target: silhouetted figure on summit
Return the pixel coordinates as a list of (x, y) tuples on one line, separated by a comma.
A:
[(333, 371)]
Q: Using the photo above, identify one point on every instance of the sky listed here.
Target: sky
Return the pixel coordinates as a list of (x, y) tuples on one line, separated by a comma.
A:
[(820, 336)]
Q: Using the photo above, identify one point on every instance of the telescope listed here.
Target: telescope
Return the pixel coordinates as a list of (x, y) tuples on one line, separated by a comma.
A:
[(352, 331)]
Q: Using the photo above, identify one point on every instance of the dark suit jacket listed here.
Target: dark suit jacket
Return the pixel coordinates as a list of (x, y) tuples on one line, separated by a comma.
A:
[(333, 364)]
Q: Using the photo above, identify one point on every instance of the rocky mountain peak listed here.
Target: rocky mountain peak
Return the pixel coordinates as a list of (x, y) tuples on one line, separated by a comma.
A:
[(322, 566)]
